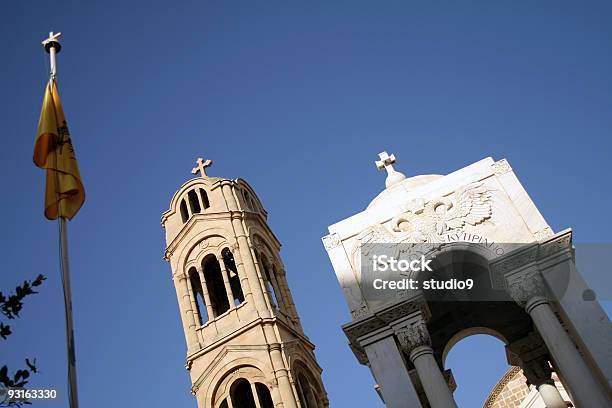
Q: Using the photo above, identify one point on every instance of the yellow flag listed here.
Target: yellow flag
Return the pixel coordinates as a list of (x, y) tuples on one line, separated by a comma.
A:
[(64, 193)]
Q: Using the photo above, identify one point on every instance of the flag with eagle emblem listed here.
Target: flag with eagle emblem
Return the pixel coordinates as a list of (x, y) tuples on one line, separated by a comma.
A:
[(53, 150)]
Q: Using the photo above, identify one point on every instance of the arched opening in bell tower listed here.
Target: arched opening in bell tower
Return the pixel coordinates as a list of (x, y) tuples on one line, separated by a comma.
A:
[(307, 391), (272, 286), (244, 394), (214, 284), (184, 212), (204, 198), (234, 279), (198, 295), (194, 203)]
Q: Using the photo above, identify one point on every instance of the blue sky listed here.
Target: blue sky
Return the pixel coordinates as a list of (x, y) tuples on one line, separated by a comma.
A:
[(297, 98)]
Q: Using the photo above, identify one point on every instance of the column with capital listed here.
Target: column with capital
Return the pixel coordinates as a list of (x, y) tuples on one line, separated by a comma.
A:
[(415, 341), (380, 351), (226, 282), (531, 355), (205, 295), (527, 288), (189, 325), (243, 253)]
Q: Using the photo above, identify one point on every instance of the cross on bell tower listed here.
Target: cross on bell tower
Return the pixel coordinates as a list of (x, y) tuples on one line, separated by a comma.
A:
[(201, 167), (386, 162)]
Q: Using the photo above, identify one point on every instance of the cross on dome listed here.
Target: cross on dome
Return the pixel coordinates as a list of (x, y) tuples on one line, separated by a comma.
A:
[(386, 162), (201, 167)]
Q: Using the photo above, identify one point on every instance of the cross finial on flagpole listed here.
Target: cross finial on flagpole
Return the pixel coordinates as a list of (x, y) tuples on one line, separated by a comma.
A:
[(201, 167), (52, 41), (386, 162), (52, 46)]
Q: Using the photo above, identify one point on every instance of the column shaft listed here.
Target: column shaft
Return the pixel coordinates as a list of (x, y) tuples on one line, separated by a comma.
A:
[(583, 386), (194, 304), (182, 293), (434, 384), (244, 280), (255, 395), (245, 253), (228, 287), (209, 308), (551, 396), (282, 376), (389, 370)]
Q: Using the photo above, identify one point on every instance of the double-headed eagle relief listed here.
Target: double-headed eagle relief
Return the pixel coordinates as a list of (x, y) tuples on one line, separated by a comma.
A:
[(428, 221), (423, 225)]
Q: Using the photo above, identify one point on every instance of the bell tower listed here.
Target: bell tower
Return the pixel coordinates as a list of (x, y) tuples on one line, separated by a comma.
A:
[(245, 344)]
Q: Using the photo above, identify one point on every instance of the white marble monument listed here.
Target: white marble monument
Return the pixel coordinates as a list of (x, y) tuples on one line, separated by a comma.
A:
[(483, 213)]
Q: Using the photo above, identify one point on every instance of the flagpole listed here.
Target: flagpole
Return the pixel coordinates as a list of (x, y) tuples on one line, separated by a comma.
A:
[(52, 46), (72, 375)]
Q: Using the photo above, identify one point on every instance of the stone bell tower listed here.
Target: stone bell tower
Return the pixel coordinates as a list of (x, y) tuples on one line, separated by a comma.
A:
[(245, 344)]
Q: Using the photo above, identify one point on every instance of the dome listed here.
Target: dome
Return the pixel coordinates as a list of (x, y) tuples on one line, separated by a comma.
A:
[(408, 184)]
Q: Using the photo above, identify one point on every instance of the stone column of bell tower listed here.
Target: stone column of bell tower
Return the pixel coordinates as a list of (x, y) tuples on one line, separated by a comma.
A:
[(245, 344)]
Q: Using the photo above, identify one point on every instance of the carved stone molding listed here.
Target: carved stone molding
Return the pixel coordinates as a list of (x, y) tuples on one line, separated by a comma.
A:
[(560, 243), (360, 312), (414, 335), (515, 261), (501, 167), (362, 357), (354, 331), (527, 257), (404, 309), (374, 321), (331, 241)]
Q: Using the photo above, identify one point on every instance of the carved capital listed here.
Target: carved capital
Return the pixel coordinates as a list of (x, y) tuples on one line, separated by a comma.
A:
[(413, 335), (538, 371), (331, 241), (530, 353), (523, 287)]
